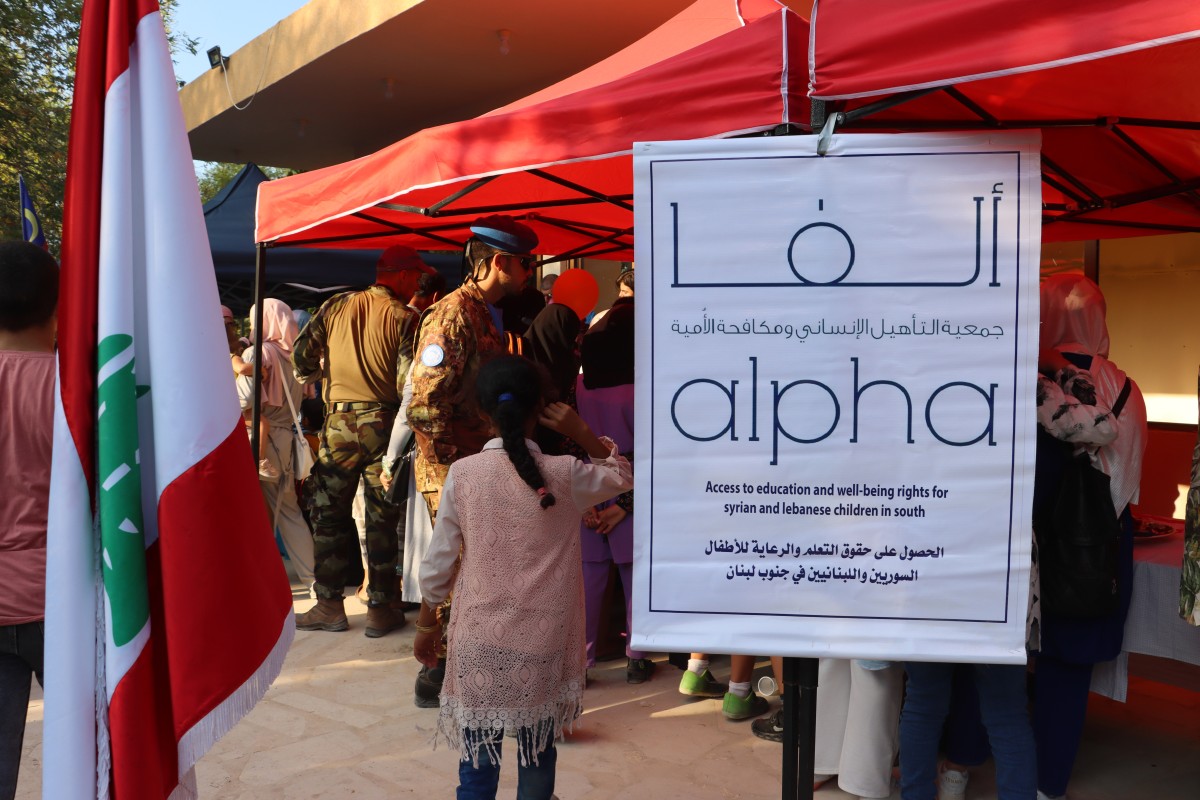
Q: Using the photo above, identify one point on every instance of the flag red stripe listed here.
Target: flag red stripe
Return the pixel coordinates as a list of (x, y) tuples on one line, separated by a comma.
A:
[(202, 644), (106, 34), (210, 573), (145, 762)]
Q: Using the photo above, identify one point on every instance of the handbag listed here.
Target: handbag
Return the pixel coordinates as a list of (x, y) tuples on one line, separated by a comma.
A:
[(302, 454), (1078, 536), (397, 493)]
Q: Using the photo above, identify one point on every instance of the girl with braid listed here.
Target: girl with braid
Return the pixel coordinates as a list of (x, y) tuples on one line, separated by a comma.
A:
[(516, 635)]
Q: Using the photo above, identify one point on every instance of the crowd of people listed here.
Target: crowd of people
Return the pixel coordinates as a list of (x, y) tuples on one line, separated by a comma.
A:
[(494, 467)]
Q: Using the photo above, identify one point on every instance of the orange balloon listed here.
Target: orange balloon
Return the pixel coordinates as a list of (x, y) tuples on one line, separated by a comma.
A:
[(577, 290)]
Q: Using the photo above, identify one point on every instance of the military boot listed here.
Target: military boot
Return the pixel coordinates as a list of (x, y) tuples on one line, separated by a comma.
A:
[(326, 615), (383, 618)]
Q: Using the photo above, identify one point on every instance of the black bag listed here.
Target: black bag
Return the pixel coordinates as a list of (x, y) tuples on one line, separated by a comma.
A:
[(1078, 535), (397, 494)]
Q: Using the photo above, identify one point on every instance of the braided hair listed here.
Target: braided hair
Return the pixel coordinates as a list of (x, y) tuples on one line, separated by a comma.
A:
[(509, 391)]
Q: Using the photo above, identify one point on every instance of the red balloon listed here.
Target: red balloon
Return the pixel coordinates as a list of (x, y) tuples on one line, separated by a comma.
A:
[(577, 290)]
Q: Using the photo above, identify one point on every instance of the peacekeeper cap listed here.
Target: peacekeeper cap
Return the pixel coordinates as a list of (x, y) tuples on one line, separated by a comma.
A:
[(505, 233), (398, 258)]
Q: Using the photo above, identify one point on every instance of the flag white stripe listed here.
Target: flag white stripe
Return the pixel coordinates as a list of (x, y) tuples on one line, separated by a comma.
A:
[(69, 729), (181, 302)]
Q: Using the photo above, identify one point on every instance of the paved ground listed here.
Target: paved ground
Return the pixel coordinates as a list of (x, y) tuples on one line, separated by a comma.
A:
[(340, 723)]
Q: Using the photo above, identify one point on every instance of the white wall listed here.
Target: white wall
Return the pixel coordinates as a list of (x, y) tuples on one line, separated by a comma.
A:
[(1152, 286)]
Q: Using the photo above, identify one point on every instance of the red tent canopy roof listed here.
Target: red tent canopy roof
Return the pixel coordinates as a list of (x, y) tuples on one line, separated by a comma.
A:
[(1107, 81), (865, 48), (561, 156)]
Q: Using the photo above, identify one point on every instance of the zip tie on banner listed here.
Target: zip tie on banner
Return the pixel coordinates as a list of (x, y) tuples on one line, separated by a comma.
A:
[(826, 136)]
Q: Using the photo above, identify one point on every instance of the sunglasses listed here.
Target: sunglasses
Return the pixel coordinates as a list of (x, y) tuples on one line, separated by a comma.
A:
[(528, 262)]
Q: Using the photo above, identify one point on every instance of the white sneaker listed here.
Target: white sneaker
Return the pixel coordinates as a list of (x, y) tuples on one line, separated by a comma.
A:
[(267, 471), (952, 784)]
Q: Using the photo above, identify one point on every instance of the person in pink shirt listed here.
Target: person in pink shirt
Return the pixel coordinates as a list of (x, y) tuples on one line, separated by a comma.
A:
[(28, 299)]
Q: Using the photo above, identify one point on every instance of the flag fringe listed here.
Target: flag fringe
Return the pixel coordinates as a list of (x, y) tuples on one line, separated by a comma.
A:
[(103, 744), (204, 734)]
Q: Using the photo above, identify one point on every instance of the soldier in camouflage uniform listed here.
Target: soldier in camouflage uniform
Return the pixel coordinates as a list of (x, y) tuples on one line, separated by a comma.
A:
[(360, 345), (458, 333)]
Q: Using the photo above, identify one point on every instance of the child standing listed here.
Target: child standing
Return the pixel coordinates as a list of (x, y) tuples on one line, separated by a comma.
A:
[(516, 636)]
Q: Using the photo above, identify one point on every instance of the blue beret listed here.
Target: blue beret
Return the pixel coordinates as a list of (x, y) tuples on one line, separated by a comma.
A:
[(505, 233)]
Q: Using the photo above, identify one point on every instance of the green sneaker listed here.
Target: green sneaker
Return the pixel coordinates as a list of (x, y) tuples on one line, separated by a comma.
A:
[(703, 685), (752, 705)]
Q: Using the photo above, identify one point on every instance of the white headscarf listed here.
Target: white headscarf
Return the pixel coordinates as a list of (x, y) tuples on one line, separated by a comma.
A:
[(1073, 311)]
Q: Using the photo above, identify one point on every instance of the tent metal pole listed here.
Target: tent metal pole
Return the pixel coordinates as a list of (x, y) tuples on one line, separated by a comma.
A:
[(799, 726), (972, 106), (871, 108), (1147, 157), (614, 199), (396, 226), (571, 201), (1117, 223), (1078, 184), (1062, 187), (818, 115), (260, 283), (433, 210)]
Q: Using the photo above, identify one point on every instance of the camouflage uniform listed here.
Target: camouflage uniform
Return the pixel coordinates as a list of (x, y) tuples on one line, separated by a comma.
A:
[(457, 335), (356, 433)]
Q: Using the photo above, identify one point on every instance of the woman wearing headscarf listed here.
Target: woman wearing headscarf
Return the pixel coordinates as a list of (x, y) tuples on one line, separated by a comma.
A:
[(604, 394), (1079, 402), (551, 342), (279, 333)]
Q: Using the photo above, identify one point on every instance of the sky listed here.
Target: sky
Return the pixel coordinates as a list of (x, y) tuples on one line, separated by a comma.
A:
[(226, 23)]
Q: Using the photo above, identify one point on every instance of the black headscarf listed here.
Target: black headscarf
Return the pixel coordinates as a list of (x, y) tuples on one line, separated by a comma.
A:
[(550, 342), (607, 349)]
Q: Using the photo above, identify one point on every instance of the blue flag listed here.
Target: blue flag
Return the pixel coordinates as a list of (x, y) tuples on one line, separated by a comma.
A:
[(31, 227)]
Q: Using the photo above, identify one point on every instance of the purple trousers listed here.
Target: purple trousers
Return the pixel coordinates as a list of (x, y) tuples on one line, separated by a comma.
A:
[(595, 581)]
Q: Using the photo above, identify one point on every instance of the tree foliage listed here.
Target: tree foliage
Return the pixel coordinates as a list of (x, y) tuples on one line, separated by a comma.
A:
[(40, 39)]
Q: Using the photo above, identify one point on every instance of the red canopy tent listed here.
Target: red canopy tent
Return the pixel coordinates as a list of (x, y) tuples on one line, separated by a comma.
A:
[(1108, 82), (561, 157)]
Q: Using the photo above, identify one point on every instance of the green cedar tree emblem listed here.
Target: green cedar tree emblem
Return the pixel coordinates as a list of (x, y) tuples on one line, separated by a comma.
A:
[(122, 538)]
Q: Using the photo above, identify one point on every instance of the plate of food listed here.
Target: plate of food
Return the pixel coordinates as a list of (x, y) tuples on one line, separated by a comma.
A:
[(1155, 527)]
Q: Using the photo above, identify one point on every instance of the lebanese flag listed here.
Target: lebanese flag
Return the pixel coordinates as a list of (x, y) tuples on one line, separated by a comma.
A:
[(168, 612)]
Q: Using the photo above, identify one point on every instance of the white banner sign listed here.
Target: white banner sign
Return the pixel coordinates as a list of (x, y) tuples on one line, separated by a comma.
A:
[(835, 395)]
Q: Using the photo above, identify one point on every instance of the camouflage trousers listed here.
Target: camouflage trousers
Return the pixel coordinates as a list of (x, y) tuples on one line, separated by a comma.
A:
[(352, 446)]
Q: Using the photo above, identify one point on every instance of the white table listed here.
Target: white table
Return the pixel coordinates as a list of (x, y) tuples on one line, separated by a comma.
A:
[(1154, 627)]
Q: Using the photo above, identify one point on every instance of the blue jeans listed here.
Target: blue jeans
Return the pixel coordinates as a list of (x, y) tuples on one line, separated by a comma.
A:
[(534, 781), (21, 656), (1002, 703)]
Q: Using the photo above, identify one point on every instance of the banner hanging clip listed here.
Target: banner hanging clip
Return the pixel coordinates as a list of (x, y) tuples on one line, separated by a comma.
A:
[(826, 136)]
